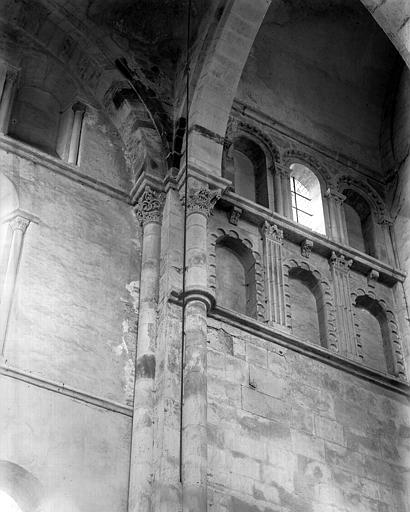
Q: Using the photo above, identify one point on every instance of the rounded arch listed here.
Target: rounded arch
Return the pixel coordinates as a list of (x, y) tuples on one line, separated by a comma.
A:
[(292, 156), (250, 169), (367, 191), (391, 343), (393, 18), (23, 487), (359, 220), (9, 199), (307, 187), (251, 260), (321, 290), (254, 133)]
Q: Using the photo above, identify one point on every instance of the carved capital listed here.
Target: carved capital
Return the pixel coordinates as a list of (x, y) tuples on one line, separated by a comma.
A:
[(339, 262), (202, 201), (335, 196), (306, 248), (149, 206), (19, 223), (272, 232)]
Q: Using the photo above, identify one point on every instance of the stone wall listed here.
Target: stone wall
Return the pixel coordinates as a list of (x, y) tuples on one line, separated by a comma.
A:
[(68, 369), (289, 433)]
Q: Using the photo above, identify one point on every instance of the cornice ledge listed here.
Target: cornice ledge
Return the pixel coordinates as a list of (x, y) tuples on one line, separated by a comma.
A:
[(62, 389), (60, 167), (287, 340), (296, 233)]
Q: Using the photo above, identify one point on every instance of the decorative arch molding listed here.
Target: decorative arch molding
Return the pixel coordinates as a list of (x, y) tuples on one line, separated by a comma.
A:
[(292, 156), (260, 138), (367, 191), (329, 313), (391, 337), (217, 236)]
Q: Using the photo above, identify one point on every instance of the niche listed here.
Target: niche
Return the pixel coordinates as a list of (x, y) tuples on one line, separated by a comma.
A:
[(373, 333), (359, 223), (250, 175), (306, 300), (235, 276)]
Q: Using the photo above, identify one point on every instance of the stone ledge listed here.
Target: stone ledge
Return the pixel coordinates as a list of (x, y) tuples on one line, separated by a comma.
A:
[(296, 233), (32, 154), (290, 342), (108, 405)]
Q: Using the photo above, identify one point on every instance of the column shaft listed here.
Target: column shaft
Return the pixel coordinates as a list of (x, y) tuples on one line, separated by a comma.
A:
[(141, 467), (18, 226), (74, 149), (278, 192), (273, 239), (7, 100), (340, 268), (197, 300)]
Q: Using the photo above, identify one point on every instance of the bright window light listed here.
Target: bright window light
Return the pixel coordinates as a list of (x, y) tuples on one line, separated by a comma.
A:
[(7, 504)]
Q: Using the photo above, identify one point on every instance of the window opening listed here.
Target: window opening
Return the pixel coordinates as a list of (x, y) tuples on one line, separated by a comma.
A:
[(7, 504), (306, 198)]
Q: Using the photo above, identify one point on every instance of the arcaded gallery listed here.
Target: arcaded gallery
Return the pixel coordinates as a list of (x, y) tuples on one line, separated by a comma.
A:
[(205, 255)]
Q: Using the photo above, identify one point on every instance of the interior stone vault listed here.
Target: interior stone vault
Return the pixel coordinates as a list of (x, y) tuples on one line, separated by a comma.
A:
[(204, 251)]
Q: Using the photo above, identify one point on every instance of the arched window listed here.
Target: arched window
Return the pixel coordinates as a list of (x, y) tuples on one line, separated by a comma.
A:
[(250, 178), (235, 276), (307, 307), (373, 333), (44, 110), (7, 503), (359, 222), (306, 195)]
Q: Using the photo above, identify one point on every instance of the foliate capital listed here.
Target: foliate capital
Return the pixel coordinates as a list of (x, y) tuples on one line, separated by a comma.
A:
[(19, 223), (272, 232), (339, 262), (202, 201), (149, 206)]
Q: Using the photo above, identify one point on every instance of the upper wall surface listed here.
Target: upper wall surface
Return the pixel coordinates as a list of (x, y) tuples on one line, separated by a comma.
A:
[(323, 70)]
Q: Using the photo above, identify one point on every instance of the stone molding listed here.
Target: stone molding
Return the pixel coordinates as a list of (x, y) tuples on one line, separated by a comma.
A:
[(292, 156), (285, 339), (63, 389), (376, 203), (149, 206), (332, 342), (202, 201)]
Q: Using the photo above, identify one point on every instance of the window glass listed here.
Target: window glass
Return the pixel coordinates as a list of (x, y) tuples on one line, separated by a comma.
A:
[(306, 196)]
